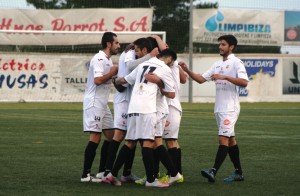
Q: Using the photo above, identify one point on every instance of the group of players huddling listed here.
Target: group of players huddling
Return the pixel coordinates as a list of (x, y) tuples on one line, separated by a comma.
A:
[(147, 110)]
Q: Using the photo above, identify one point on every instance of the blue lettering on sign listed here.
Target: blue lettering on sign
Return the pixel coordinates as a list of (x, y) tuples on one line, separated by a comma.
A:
[(24, 81), (215, 23), (254, 66)]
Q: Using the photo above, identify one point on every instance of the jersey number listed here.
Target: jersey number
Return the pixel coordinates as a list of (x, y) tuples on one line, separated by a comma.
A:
[(146, 68)]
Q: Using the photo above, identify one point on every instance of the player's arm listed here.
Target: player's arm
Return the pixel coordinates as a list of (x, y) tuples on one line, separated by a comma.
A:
[(183, 77), (131, 65), (161, 44), (103, 79), (237, 81), (170, 95), (197, 77), (129, 47), (151, 77)]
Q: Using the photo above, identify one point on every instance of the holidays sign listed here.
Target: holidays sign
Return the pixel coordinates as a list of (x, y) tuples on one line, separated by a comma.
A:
[(251, 27), (88, 20)]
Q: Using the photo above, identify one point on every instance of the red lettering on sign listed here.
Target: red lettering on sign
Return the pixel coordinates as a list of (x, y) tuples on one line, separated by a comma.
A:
[(12, 65)]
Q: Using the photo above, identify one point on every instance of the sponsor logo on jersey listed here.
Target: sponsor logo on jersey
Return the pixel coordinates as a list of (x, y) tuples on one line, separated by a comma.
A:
[(226, 122)]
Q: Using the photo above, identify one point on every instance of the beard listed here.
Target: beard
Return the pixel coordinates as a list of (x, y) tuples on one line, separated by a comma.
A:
[(223, 53), (113, 52)]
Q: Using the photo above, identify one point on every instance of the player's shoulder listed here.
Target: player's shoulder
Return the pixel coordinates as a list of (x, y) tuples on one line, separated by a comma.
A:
[(100, 56), (235, 59)]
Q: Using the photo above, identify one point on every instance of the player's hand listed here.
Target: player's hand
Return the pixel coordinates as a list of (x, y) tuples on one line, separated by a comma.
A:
[(155, 37), (151, 77), (183, 66), (114, 70), (154, 52), (218, 77), (119, 87)]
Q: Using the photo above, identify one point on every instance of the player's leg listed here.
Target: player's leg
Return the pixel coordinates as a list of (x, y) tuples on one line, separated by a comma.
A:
[(129, 144), (225, 130), (234, 155), (146, 132), (173, 150), (108, 132), (233, 152), (128, 176), (118, 137), (171, 132), (93, 125)]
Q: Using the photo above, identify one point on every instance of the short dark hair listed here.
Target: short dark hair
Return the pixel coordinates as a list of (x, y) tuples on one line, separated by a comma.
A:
[(230, 39), (143, 43), (107, 37), (168, 52), (153, 42)]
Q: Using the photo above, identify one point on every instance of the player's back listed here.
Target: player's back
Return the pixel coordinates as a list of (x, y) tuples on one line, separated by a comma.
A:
[(143, 98)]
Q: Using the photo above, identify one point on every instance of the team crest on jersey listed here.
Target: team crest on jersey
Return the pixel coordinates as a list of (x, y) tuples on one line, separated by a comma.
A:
[(226, 122), (227, 66)]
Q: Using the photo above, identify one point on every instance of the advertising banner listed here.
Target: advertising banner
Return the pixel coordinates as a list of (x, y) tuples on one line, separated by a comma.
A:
[(50, 78), (291, 77), (291, 28), (255, 66), (89, 20), (251, 27)]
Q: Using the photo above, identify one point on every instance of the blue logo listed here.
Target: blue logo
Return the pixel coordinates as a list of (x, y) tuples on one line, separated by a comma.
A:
[(214, 23)]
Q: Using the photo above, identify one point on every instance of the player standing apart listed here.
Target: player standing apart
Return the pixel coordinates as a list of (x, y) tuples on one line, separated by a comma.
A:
[(97, 117), (228, 74)]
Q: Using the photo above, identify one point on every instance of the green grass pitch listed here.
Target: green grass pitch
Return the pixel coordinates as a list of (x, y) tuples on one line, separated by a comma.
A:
[(42, 145)]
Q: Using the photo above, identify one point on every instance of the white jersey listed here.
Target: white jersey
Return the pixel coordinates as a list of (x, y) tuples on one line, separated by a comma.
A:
[(143, 98), (162, 104), (227, 93), (97, 96), (176, 101), (130, 56), (122, 72)]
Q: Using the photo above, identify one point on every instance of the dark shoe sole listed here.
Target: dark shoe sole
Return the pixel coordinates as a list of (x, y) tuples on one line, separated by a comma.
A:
[(206, 175)]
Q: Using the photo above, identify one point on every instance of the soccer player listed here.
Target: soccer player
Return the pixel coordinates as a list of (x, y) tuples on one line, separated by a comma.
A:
[(142, 117), (171, 130), (121, 102), (228, 74), (97, 117)]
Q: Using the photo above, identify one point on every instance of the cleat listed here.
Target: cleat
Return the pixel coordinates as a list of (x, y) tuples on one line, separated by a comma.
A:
[(156, 183), (129, 178), (164, 179), (113, 180), (181, 180), (175, 178), (209, 174), (141, 181), (234, 177), (100, 175), (90, 178)]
